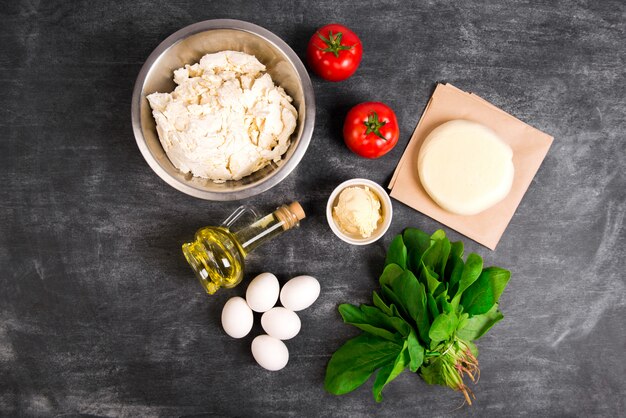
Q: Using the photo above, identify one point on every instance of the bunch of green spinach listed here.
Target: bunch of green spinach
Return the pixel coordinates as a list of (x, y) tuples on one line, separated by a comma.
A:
[(430, 308)]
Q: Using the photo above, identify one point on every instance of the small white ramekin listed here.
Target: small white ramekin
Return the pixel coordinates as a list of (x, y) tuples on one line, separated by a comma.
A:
[(385, 206)]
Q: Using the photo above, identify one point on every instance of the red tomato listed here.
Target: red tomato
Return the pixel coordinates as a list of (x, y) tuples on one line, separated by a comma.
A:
[(334, 52), (371, 129)]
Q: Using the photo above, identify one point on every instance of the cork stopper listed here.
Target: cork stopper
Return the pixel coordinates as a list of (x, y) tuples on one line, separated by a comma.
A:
[(297, 210), (290, 215)]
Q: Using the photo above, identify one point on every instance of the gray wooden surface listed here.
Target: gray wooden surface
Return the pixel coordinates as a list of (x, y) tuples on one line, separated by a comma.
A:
[(99, 313)]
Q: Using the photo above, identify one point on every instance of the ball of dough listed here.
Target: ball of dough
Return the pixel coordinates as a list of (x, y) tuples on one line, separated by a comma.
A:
[(465, 167)]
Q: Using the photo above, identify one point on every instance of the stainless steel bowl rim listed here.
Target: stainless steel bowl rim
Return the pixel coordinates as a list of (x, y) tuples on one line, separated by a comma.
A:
[(307, 89)]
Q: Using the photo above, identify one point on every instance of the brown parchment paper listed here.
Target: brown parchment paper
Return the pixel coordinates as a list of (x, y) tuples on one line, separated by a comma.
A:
[(529, 145)]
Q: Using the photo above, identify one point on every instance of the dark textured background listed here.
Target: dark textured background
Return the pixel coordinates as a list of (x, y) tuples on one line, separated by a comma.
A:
[(99, 313)]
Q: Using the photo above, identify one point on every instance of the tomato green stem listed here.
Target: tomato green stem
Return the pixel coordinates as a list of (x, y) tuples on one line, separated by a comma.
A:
[(333, 43), (373, 125)]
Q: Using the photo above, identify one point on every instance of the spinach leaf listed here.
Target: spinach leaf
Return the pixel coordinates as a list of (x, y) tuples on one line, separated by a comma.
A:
[(454, 270), (395, 311), (414, 261), (445, 247), (480, 297), (374, 322), (443, 327), (408, 299), (416, 239), (392, 299), (422, 320), (431, 256), (471, 272), (472, 269), (442, 302), (390, 322), (432, 306), (390, 273), (441, 289), (389, 372), (430, 279), (478, 325), (397, 252), (463, 322), (355, 361), (416, 351), (416, 242), (438, 235), (380, 304), (433, 372), (456, 248), (405, 286)]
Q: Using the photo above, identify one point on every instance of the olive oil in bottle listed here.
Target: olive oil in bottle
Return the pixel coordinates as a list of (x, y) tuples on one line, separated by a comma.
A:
[(217, 254)]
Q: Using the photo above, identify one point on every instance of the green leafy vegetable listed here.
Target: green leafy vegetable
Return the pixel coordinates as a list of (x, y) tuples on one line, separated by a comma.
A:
[(356, 360), (416, 351), (373, 321), (390, 372), (380, 304), (443, 327), (471, 271), (481, 296), (406, 287), (422, 321), (456, 249), (430, 308), (397, 253), (418, 242), (478, 325), (390, 273)]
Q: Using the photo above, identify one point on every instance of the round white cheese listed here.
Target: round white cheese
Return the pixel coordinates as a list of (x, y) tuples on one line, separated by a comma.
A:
[(465, 167)]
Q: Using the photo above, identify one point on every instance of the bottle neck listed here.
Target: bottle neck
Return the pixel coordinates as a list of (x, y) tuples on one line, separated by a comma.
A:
[(266, 228)]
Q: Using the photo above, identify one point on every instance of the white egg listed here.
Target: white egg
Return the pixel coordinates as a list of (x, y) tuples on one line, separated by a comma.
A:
[(299, 293), (237, 317), (271, 353), (281, 323), (262, 292)]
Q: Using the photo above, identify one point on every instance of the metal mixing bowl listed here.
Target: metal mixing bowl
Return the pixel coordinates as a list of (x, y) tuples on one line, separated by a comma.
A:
[(187, 46)]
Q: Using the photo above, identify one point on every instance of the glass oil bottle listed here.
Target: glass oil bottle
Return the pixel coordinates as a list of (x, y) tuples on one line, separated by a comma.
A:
[(217, 253)]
